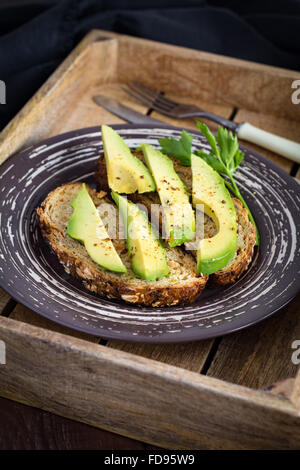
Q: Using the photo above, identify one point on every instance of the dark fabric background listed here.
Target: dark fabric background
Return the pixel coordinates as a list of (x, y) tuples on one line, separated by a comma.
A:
[(35, 36)]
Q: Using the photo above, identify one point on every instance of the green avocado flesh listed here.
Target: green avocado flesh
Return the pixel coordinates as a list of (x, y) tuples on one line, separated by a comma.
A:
[(86, 226), (179, 217), (125, 172), (209, 190), (148, 256)]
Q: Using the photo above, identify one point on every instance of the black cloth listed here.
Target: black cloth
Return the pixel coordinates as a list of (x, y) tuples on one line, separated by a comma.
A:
[(36, 36)]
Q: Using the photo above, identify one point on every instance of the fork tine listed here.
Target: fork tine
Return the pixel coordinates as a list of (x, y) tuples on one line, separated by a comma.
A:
[(145, 90), (159, 96), (158, 99), (142, 99), (153, 102)]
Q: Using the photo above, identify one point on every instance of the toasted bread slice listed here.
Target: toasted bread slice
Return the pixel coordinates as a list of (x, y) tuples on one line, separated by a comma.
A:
[(181, 286), (246, 230)]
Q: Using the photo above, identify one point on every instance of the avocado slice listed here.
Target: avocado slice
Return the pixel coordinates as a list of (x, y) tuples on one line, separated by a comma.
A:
[(86, 226), (148, 256), (209, 189), (179, 217), (125, 172)]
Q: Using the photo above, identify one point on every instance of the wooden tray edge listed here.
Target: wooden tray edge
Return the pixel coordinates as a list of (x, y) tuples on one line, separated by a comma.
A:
[(179, 410)]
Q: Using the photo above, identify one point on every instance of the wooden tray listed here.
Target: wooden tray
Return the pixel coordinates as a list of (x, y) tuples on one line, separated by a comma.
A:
[(201, 395)]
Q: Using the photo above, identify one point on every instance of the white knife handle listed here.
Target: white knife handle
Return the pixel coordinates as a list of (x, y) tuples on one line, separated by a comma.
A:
[(270, 141)]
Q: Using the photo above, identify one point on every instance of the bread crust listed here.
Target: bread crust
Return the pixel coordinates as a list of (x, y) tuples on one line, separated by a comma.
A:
[(106, 283)]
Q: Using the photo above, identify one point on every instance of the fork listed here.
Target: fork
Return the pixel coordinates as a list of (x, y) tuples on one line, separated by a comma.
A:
[(243, 130)]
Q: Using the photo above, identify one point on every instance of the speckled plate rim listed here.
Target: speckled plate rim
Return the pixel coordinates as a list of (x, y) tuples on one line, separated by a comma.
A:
[(184, 335)]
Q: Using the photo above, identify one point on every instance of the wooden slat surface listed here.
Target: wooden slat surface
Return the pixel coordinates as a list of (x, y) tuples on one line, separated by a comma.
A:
[(189, 356), (260, 355), (4, 300), (84, 112), (25, 315)]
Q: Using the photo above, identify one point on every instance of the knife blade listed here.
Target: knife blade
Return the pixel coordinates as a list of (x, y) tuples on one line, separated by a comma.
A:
[(128, 114)]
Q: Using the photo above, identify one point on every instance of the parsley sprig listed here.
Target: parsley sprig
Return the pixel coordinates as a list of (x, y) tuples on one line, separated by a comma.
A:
[(180, 149), (224, 156)]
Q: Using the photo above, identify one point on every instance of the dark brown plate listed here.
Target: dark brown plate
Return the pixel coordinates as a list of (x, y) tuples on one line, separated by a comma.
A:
[(30, 272)]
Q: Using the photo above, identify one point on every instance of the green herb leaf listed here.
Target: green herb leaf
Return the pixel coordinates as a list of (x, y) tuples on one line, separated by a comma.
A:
[(228, 145), (238, 158), (180, 149), (209, 137), (212, 161)]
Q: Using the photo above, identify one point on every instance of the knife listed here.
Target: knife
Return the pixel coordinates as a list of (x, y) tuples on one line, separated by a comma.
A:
[(123, 112)]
